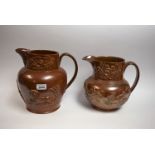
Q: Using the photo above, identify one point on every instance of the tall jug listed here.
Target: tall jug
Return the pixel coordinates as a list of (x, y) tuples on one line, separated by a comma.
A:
[(42, 82)]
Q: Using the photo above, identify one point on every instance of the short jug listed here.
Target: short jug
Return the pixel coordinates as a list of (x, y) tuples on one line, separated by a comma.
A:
[(107, 89), (42, 82)]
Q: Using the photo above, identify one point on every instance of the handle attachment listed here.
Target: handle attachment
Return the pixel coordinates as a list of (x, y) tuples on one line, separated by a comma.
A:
[(137, 73), (76, 67)]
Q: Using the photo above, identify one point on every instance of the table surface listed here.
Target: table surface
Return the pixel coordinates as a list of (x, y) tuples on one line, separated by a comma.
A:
[(134, 43)]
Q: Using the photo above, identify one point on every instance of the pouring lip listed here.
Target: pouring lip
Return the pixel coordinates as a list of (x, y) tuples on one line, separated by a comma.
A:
[(88, 57), (44, 52), (20, 50)]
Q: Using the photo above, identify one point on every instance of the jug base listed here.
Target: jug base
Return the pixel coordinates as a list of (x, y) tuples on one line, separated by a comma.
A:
[(42, 112), (106, 110)]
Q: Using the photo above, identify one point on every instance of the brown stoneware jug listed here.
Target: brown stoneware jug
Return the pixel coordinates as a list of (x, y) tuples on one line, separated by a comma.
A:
[(42, 82), (107, 89)]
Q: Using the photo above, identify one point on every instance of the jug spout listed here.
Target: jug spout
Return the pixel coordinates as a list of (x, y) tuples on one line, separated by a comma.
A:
[(23, 52), (89, 58)]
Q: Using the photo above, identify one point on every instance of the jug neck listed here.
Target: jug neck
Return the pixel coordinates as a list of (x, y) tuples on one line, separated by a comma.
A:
[(108, 68), (41, 59)]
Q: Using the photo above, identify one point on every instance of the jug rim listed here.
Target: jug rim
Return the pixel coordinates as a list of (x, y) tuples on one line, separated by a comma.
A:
[(47, 52), (110, 59)]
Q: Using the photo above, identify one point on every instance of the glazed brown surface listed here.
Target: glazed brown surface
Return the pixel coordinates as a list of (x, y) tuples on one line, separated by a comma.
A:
[(42, 82), (107, 89)]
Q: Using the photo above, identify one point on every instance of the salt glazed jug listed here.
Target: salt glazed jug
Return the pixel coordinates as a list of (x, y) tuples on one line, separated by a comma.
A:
[(42, 82), (107, 89)]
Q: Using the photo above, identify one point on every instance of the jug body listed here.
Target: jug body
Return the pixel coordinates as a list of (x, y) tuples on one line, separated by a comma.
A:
[(42, 82), (107, 89)]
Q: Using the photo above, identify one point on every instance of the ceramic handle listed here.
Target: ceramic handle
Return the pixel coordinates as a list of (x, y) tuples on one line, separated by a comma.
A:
[(76, 67), (137, 73)]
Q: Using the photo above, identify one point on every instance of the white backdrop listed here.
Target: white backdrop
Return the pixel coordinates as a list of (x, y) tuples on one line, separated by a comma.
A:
[(135, 43)]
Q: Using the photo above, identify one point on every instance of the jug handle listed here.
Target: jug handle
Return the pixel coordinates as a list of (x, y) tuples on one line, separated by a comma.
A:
[(76, 67), (137, 73)]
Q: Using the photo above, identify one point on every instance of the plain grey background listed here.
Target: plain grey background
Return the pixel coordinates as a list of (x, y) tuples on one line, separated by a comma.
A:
[(133, 43)]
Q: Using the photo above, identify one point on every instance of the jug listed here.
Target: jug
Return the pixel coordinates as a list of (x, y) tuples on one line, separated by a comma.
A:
[(42, 82), (106, 89)]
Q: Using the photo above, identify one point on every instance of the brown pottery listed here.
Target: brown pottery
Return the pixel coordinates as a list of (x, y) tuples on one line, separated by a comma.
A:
[(42, 82), (107, 89)]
